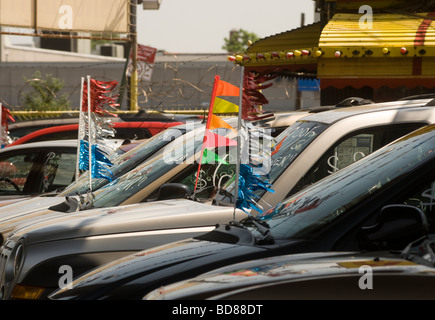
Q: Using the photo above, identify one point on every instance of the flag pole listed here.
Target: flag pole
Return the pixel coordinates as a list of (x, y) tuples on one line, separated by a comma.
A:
[(2, 138), (210, 112), (238, 155), (89, 133), (80, 130)]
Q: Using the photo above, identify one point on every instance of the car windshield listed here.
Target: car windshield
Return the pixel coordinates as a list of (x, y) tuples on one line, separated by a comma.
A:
[(127, 161), (140, 177), (305, 213), (288, 146)]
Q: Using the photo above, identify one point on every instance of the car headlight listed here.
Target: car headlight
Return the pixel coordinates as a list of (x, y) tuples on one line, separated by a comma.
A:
[(14, 262), (13, 268), (18, 258)]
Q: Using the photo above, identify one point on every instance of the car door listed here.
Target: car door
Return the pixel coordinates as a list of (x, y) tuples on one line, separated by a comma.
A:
[(417, 190), (34, 171), (56, 171), (351, 148), (16, 170)]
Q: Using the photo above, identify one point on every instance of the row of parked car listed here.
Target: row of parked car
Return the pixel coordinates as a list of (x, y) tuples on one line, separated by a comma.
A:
[(353, 186)]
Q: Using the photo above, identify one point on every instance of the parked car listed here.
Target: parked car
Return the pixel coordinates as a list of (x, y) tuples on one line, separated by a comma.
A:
[(36, 168), (135, 188), (382, 202), (408, 274), (13, 214), (123, 130), (19, 129), (277, 123)]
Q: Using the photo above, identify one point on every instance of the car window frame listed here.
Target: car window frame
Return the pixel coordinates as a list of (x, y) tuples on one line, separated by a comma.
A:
[(350, 135), (409, 177)]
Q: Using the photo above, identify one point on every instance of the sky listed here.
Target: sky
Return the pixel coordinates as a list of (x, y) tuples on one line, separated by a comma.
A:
[(200, 26)]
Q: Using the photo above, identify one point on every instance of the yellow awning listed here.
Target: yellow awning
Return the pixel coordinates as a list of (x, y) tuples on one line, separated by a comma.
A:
[(400, 47), (292, 51)]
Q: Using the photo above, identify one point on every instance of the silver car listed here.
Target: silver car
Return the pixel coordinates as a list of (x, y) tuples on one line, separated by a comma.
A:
[(310, 149)]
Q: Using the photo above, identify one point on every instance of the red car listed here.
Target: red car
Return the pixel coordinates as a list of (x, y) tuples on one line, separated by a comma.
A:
[(124, 130)]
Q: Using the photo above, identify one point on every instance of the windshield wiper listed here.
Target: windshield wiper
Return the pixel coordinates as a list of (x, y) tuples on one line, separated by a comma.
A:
[(86, 202), (264, 229), (420, 251)]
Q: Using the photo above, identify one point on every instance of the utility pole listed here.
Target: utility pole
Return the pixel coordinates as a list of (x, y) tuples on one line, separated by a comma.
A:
[(133, 38), (298, 92)]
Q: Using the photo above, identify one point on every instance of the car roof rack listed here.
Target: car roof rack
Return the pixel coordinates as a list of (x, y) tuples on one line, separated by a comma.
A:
[(353, 101), (419, 97)]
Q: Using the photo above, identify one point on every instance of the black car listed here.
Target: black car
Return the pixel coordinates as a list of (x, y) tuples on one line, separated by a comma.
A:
[(409, 275), (382, 202)]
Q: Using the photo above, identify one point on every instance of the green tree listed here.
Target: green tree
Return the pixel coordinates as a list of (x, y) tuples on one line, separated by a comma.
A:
[(44, 94), (238, 41)]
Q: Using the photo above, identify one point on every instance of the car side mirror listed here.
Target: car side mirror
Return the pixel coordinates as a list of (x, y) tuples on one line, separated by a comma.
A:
[(174, 191), (69, 205), (396, 226)]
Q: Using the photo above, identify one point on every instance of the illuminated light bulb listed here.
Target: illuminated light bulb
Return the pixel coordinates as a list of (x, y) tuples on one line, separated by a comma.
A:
[(297, 53), (249, 43), (305, 52), (246, 57), (251, 56), (385, 50), (289, 55), (231, 58), (319, 53), (337, 53), (275, 54), (239, 57), (267, 55), (403, 50), (260, 56), (281, 54)]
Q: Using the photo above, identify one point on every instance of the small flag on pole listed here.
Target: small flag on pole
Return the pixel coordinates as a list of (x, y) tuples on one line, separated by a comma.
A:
[(220, 88), (94, 128), (5, 117)]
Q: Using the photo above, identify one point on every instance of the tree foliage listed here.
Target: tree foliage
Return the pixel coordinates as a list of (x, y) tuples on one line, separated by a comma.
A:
[(44, 95), (238, 41)]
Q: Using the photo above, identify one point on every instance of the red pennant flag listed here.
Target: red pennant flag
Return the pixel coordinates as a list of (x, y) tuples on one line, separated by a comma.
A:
[(213, 140), (217, 122), (226, 89), (278, 146), (220, 88)]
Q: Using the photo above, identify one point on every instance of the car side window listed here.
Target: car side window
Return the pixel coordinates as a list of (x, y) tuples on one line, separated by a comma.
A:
[(14, 172), (212, 176), (57, 171), (424, 198), (350, 149), (132, 133)]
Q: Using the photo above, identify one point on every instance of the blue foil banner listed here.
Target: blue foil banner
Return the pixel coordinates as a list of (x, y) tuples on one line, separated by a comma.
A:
[(100, 162), (248, 183)]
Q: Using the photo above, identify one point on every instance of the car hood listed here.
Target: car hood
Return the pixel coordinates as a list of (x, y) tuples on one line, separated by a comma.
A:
[(156, 215), (135, 275), (6, 200), (26, 211), (290, 268), (22, 207)]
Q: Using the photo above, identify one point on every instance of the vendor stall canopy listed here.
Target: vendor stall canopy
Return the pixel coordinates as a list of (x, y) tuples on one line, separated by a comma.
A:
[(397, 46), (400, 47), (289, 53)]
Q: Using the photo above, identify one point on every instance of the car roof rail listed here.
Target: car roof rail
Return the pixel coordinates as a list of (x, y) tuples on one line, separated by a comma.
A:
[(419, 97), (353, 101)]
